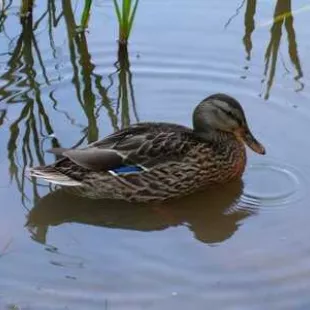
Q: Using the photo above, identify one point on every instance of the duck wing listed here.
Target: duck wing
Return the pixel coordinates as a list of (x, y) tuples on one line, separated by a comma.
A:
[(139, 147)]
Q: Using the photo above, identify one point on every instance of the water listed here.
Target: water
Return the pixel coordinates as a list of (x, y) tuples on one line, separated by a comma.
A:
[(240, 246)]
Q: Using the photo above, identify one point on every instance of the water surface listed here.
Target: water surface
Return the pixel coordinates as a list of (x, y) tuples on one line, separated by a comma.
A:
[(240, 246)]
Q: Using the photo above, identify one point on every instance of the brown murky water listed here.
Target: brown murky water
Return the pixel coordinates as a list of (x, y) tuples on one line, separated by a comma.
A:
[(241, 246)]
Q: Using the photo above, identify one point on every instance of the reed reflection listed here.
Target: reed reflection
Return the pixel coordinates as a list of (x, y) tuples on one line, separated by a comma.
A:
[(24, 144), (84, 88), (126, 96), (283, 16), (249, 24), (205, 214), (4, 8), (32, 132), (282, 19)]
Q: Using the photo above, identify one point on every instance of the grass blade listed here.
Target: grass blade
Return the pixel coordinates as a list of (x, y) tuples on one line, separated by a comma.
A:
[(86, 14), (118, 12), (132, 17)]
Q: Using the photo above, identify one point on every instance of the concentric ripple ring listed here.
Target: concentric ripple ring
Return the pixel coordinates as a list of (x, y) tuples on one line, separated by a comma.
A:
[(272, 184)]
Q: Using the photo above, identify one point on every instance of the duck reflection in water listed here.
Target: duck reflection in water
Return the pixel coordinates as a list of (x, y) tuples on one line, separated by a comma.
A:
[(212, 216)]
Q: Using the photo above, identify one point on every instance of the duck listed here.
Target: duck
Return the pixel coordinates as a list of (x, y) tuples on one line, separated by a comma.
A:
[(158, 161)]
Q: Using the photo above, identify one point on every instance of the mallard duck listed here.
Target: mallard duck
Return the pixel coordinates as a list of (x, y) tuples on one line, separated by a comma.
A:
[(159, 161)]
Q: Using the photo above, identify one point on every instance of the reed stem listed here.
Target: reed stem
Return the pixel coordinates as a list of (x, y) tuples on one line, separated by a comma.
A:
[(86, 14)]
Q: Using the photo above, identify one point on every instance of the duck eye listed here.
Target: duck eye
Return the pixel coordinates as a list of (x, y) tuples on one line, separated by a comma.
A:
[(229, 113), (234, 117)]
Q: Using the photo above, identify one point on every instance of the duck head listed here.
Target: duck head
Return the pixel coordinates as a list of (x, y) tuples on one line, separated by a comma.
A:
[(223, 113)]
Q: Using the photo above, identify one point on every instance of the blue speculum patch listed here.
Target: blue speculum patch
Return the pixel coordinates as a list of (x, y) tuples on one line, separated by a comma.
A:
[(127, 169)]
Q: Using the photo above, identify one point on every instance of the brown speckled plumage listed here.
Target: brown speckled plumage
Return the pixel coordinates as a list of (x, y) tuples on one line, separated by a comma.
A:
[(174, 160)]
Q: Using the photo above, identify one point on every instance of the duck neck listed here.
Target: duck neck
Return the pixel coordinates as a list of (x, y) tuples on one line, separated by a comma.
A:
[(230, 149)]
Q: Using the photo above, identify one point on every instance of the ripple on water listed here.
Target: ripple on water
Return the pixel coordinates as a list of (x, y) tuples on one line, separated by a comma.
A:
[(271, 184)]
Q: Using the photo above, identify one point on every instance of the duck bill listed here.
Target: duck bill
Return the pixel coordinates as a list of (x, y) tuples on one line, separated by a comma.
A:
[(248, 138), (252, 143)]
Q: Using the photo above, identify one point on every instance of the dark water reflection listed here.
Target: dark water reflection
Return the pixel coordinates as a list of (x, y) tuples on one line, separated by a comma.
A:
[(60, 87), (282, 20), (207, 215)]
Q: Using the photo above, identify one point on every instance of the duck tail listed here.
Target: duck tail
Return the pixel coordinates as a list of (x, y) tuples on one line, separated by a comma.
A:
[(51, 175)]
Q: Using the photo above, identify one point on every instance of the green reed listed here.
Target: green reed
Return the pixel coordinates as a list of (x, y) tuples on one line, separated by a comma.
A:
[(125, 14), (85, 14)]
